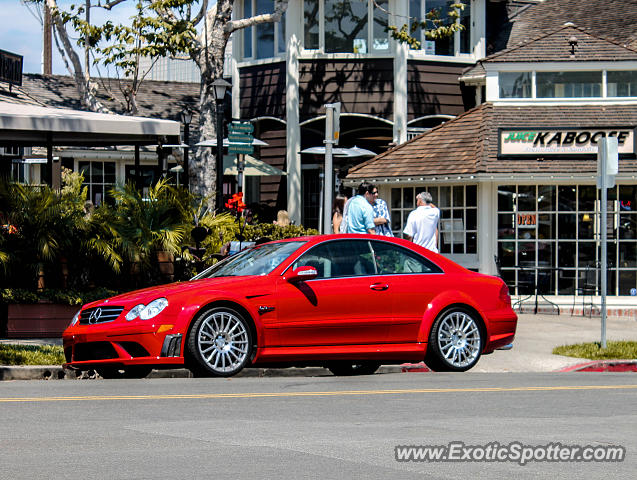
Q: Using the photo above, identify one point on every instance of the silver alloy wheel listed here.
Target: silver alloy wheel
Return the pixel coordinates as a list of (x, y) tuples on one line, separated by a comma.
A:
[(222, 341), (459, 339)]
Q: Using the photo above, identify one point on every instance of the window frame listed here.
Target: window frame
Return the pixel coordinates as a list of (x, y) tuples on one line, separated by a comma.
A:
[(279, 51)]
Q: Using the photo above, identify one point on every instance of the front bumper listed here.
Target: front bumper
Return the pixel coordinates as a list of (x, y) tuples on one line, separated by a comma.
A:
[(91, 346)]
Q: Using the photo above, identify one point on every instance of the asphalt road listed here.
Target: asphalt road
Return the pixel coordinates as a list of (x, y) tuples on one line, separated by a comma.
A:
[(321, 427)]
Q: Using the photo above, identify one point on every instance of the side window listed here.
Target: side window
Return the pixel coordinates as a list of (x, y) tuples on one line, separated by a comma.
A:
[(393, 259), (346, 258)]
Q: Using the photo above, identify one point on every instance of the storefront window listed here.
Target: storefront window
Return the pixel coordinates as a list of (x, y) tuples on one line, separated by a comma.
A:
[(346, 26), (99, 177), (569, 84), (515, 84), (557, 242), (458, 211), (311, 15), (263, 40), (621, 84)]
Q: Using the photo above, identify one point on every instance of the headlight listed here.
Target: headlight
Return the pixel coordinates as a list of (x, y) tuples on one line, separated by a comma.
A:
[(134, 312), (153, 309), (76, 318)]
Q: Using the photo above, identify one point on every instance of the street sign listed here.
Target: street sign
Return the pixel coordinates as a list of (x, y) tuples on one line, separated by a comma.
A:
[(245, 148), (240, 138), (240, 127)]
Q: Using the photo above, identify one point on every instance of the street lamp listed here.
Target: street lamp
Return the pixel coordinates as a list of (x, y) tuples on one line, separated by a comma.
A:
[(220, 87), (186, 119)]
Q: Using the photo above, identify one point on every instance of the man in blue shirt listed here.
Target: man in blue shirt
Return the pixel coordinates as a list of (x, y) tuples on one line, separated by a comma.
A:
[(360, 214)]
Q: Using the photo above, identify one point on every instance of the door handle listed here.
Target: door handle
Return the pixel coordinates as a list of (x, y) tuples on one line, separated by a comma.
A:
[(379, 286)]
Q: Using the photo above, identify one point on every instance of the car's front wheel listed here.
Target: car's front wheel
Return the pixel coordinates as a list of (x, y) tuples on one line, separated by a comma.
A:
[(345, 369), (455, 341), (219, 343)]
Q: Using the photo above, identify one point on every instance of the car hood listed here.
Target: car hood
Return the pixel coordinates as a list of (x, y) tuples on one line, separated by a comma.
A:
[(186, 288)]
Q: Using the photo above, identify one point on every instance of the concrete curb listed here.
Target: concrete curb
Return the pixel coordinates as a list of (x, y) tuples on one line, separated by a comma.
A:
[(603, 366), (55, 372)]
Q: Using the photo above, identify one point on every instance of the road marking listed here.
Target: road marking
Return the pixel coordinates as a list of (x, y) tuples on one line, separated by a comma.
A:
[(335, 393)]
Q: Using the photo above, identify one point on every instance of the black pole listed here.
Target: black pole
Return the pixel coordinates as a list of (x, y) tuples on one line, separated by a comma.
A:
[(138, 174), (186, 153), (219, 166)]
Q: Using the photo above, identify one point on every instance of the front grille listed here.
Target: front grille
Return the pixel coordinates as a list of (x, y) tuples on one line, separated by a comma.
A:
[(94, 351), (101, 314)]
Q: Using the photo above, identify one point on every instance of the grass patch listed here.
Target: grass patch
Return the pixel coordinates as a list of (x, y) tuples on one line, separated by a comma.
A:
[(31, 355), (614, 351)]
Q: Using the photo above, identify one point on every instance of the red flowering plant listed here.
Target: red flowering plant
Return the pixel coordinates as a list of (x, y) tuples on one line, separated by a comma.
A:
[(236, 206)]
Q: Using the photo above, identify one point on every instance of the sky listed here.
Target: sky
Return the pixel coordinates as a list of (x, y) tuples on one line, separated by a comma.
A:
[(22, 32)]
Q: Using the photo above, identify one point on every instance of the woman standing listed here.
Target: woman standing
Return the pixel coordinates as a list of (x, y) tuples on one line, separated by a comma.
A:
[(337, 212)]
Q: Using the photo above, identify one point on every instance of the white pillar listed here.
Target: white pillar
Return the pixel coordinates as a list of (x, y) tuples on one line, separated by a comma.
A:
[(237, 52), (487, 226), (400, 76), (293, 32), (479, 28)]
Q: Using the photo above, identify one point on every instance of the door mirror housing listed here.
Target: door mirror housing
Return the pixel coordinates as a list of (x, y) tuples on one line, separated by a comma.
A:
[(301, 274)]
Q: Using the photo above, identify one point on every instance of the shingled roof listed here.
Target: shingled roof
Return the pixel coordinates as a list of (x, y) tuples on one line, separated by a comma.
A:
[(555, 47), (468, 144), (155, 99), (611, 19)]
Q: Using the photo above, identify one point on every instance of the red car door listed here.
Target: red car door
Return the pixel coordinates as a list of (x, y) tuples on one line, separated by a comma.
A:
[(348, 303), (413, 282)]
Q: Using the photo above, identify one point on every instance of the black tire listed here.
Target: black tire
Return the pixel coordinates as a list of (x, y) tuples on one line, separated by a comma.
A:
[(455, 341), (347, 369), (135, 371), (219, 343)]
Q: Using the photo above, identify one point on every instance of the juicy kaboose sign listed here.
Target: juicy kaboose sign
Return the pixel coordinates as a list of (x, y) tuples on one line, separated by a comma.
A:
[(557, 141)]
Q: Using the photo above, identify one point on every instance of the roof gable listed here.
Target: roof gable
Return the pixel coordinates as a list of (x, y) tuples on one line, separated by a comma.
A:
[(557, 47)]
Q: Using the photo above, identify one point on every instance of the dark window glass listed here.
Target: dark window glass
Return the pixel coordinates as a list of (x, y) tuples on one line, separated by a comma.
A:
[(515, 84), (109, 172), (586, 226), (445, 197), (506, 254), (471, 193), (395, 197), (415, 12), (568, 84), (380, 40), (392, 259), (472, 242), (471, 218), (621, 84), (344, 258), (465, 34), (346, 26), (628, 198), (627, 281), (566, 225), (506, 225), (586, 256), (566, 254), (281, 34), (311, 14), (566, 282), (627, 225), (247, 32), (587, 196), (546, 226), (627, 254), (458, 196), (546, 254), (566, 200), (546, 197), (408, 198), (526, 254), (265, 31), (526, 198), (438, 11), (506, 195)]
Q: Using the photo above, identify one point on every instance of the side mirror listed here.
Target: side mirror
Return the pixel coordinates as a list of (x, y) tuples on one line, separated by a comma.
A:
[(301, 274)]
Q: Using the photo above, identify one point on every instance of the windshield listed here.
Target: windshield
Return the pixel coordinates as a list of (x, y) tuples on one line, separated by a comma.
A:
[(259, 260)]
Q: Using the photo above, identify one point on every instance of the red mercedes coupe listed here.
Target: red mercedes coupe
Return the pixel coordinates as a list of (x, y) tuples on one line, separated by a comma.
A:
[(347, 302)]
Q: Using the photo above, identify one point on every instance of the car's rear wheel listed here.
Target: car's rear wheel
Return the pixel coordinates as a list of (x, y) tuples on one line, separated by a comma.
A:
[(134, 371), (455, 341), (219, 343), (348, 369)]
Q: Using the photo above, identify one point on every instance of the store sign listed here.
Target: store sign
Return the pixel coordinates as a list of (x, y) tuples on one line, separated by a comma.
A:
[(10, 68), (527, 220), (562, 141)]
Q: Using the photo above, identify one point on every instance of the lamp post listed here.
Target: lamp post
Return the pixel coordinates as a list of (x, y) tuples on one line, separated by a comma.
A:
[(186, 118), (220, 87)]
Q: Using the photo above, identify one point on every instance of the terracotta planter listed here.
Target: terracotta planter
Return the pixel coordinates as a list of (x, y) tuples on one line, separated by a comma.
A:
[(39, 320)]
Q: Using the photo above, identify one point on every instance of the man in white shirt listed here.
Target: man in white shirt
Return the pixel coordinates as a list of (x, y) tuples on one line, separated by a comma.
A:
[(422, 223)]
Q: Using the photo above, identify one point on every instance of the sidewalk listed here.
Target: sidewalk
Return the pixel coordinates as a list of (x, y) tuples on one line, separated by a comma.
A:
[(536, 337)]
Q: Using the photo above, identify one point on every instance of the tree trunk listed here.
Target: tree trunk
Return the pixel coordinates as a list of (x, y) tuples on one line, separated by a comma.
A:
[(210, 61)]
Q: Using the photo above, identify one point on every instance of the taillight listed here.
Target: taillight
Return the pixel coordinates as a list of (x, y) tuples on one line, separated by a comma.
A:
[(504, 294)]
